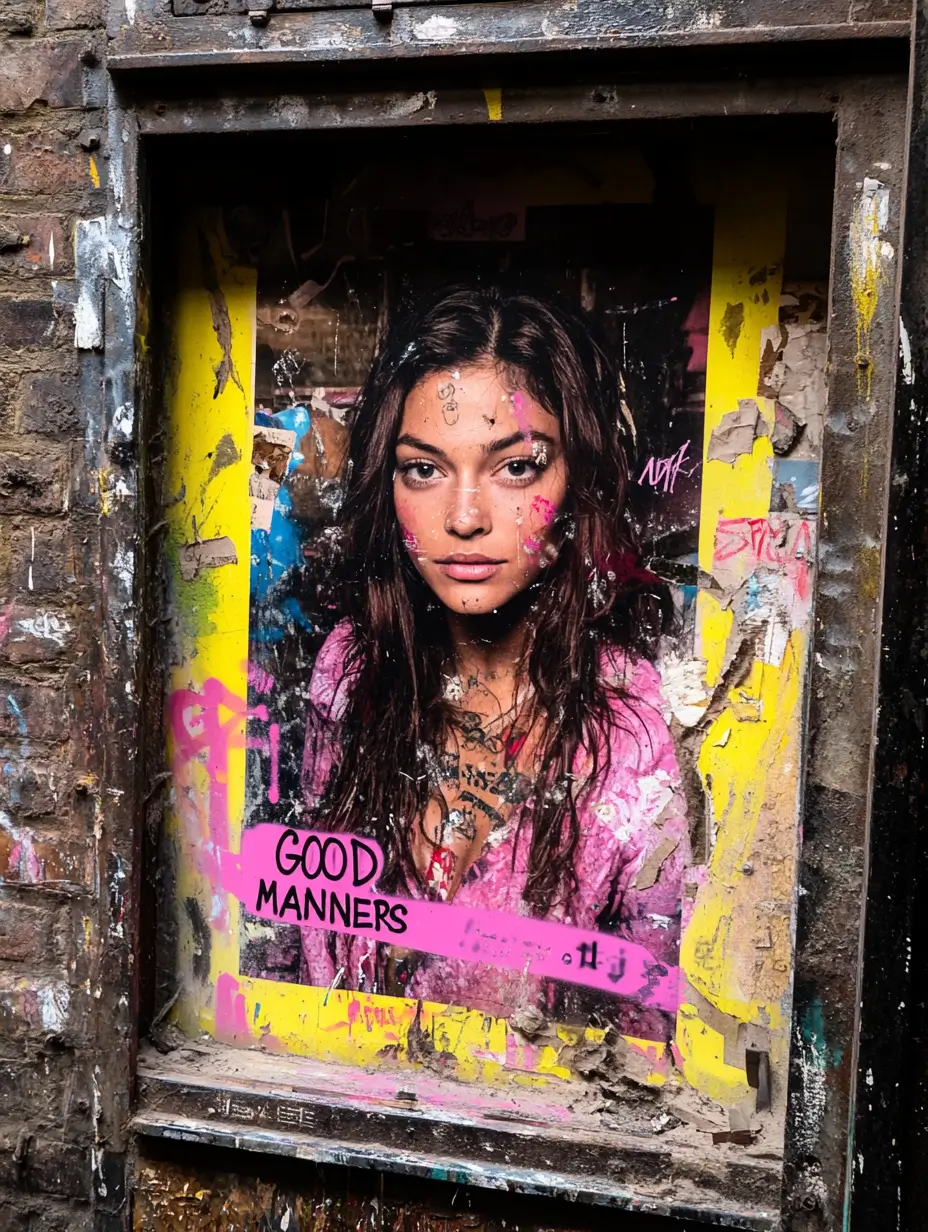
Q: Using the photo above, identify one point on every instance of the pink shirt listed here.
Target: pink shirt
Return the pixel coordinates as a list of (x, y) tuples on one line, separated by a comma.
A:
[(632, 853)]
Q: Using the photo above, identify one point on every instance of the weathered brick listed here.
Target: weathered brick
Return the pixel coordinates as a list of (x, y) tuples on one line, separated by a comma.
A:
[(27, 932), (43, 1009), (46, 249), (21, 1212), (49, 1166), (37, 635), (32, 481), (29, 857), (17, 17), (26, 322), (41, 560), (47, 1087), (42, 71), (50, 404), (73, 14), (33, 711), (30, 788), (50, 164)]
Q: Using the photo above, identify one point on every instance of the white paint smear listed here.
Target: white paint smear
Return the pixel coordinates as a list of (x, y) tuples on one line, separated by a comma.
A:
[(435, 29)]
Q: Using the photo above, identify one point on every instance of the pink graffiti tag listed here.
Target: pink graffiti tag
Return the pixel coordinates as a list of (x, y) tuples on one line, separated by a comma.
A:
[(320, 880), (774, 541), (206, 726), (666, 470)]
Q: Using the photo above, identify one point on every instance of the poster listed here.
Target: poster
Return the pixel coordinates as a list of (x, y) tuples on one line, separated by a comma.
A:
[(492, 502)]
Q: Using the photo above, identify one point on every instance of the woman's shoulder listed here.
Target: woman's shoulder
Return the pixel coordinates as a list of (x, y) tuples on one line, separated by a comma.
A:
[(333, 671), (636, 677)]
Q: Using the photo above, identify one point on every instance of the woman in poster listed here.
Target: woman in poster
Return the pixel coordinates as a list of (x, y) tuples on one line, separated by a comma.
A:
[(488, 710)]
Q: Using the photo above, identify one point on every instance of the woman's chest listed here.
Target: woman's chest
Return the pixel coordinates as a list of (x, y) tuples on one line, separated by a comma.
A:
[(474, 811)]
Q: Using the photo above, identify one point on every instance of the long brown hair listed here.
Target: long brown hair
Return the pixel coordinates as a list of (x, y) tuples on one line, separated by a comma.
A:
[(594, 596)]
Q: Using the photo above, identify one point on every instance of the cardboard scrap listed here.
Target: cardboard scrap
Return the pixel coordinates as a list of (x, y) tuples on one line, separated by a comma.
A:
[(271, 450), (263, 493), (650, 870), (210, 554), (737, 432), (270, 456)]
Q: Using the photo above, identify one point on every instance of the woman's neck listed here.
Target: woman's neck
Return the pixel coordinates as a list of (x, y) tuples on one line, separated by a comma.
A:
[(491, 648)]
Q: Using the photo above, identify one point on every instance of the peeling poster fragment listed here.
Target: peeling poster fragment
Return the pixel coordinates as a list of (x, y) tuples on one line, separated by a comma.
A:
[(210, 554)]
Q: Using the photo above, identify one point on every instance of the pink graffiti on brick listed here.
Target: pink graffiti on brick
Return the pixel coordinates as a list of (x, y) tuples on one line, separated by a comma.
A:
[(329, 881)]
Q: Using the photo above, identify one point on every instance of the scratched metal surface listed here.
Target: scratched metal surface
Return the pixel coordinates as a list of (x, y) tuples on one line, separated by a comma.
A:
[(862, 364), (148, 33), (890, 1145)]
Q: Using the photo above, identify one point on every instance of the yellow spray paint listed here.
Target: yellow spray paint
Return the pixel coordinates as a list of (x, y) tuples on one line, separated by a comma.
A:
[(868, 221), (494, 100)]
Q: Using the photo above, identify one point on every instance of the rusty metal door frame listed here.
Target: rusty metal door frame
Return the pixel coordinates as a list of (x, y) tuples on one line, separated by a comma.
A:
[(870, 128)]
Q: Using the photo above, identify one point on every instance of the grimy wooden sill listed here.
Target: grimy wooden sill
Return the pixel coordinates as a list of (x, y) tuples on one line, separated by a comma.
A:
[(423, 1124)]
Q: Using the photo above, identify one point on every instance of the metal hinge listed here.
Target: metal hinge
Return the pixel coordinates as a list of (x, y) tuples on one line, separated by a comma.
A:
[(259, 11)]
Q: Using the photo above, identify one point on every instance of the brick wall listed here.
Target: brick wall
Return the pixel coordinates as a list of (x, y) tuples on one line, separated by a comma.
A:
[(53, 167)]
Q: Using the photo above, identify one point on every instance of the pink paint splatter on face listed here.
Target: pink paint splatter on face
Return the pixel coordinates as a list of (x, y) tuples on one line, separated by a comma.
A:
[(532, 545), (545, 509), (409, 539), (520, 413)]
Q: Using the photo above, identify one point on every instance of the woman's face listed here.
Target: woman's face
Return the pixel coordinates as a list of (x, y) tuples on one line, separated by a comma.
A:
[(480, 478)]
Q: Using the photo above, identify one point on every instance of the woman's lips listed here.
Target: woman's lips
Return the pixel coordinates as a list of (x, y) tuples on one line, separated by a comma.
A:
[(468, 567)]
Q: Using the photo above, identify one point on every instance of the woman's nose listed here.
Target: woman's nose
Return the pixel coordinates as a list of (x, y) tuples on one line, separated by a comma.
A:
[(468, 515)]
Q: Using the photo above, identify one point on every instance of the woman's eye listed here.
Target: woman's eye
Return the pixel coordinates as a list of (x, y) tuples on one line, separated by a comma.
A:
[(419, 472), (520, 468)]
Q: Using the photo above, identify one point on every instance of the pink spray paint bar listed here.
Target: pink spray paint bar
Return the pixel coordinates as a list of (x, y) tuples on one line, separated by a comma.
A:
[(329, 881)]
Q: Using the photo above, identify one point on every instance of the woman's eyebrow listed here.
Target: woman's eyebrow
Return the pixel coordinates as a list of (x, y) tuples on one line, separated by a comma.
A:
[(415, 443), (507, 441)]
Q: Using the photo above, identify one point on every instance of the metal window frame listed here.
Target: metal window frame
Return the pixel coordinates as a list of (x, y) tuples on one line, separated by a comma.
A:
[(870, 114)]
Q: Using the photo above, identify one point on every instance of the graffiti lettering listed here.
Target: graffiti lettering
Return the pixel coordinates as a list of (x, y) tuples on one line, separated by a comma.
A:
[(666, 470), (777, 541), (269, 874)]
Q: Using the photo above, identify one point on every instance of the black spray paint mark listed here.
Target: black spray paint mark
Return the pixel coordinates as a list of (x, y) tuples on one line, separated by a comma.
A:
[(202, 940), (732, 325)]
